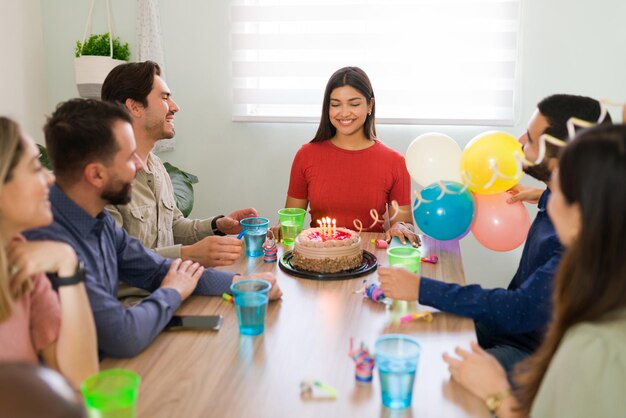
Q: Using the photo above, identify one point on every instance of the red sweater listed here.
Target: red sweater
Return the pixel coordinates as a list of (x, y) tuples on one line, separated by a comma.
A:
[(346, 185)]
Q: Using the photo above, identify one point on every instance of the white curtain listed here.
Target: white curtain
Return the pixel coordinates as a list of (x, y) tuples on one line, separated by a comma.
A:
[(149, 32), (150, 47)]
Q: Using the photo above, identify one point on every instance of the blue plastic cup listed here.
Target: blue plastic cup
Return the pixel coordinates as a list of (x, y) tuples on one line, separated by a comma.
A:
[(255, 231), (251, 298), (397, 357)]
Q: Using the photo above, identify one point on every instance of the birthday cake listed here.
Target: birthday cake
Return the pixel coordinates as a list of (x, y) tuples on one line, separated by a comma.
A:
[(324, 250)]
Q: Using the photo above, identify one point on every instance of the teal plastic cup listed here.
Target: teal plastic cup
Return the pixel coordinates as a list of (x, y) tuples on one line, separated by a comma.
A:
[(111, 394), (251, 298), (255, 231), (397, 357), (291, 223), (406, 257)]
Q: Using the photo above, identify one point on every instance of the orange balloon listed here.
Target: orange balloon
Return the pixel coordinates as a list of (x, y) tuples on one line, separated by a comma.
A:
[(498, 225), (490, 162)]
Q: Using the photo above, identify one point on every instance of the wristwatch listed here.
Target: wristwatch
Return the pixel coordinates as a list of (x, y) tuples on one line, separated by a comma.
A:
[(78, 277), (494, 401), (216, 230)]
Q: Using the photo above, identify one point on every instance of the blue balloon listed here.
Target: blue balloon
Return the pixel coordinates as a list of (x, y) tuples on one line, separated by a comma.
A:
[(446, 217)]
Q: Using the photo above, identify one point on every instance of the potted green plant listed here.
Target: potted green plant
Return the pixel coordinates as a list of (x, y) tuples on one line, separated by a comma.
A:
[(183, 187), (95, 57)]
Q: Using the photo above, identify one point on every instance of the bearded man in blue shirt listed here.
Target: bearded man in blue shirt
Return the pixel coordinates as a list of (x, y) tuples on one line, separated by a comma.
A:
[(92, 148), (510, 323)]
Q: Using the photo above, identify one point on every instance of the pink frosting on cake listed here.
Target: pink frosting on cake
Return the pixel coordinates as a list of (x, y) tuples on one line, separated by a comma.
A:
[(326, 253)]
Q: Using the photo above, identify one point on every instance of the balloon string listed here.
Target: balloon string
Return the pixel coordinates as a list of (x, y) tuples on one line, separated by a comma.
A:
[(445, 190), (420, 200), (609, 102), (573, 123), (518, 174), (376, 218), (467, 179), (358, 225), (494, 174), (603, 113)]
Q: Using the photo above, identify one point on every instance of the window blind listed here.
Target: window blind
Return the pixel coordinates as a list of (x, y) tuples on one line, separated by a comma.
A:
[(430, 62)]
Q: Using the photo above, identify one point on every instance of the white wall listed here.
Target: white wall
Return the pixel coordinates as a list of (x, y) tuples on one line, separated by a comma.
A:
[(23, 82), (572, 47)]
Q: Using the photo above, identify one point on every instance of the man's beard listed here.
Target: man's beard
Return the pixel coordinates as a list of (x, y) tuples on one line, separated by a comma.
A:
[(160, 131), (540, 171), (168, 134), (121, 196)]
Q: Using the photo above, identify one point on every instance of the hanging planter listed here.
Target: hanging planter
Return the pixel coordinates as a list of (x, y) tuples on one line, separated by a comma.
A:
[(96, 56)]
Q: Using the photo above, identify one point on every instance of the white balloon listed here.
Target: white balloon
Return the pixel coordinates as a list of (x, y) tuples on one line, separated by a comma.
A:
[(432, 157)]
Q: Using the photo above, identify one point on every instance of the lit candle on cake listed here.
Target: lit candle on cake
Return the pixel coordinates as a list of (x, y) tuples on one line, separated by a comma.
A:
[(321, 224), (334, 229)]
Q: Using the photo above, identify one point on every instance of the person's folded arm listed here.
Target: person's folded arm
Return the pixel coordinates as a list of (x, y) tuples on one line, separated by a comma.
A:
[(214, 283), (146, 269), (126, 332)]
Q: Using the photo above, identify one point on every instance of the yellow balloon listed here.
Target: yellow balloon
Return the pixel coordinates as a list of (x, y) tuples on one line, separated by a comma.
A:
[(491, 162)]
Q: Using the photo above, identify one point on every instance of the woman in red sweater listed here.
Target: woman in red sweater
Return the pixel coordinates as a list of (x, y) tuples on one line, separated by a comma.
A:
[(345, 171)]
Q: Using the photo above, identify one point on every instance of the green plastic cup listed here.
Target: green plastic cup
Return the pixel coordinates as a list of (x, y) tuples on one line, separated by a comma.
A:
[(291, 223), (406, 257), (111, 394)]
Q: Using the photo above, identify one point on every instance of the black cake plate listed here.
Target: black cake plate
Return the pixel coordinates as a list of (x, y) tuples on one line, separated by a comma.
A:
[(367, 266)]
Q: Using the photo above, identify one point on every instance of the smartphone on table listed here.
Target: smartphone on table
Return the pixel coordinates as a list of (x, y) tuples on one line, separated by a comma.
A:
[(197, 322)]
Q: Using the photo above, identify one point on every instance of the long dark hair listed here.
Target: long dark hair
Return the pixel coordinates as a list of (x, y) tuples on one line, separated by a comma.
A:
[(356, 78), (591, 280)]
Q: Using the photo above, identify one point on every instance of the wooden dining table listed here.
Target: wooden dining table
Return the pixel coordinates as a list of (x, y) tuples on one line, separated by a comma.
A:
[(307, 338)]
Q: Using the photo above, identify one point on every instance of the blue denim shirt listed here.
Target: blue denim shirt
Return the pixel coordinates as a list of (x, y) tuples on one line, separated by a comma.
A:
[(109, 254), (519, 315)]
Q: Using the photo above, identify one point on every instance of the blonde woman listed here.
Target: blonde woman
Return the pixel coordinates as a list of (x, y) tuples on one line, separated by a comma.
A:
[(37, 323)]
